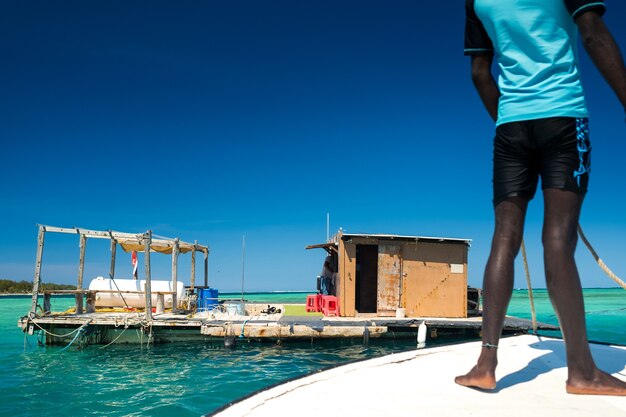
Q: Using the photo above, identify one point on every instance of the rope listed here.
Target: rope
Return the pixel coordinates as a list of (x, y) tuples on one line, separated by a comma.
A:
[(73, 340), (150, 338), (600, 261), (118, 290), (242, 327), (115, 340), (80, 330), (60, 335), (26, 341), (531, 298)]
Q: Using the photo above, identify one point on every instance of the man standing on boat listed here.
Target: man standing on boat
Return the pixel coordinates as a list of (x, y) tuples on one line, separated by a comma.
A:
[(542, 131)]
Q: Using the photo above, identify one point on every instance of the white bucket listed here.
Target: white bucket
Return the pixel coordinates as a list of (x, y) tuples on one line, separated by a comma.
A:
[(231, 309), (400, 313), (234, 308)]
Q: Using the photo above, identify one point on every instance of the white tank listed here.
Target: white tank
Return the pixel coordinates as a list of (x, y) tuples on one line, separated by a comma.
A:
[(132, 300)]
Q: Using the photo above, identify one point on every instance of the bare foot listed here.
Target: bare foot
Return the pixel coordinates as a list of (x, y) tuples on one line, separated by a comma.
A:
[(477, 378), (601, 384)]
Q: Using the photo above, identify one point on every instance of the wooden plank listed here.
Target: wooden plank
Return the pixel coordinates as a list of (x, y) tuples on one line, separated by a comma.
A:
[(160, 304), (328, 247), (120, 236), (175, 273), (206, 269), (347, 279), (389, 272), (37, 279), (81, 270), (113, 253), (279, 331), (91, 302), (47, 307), (192, 284), (148, 289), (84, 291)]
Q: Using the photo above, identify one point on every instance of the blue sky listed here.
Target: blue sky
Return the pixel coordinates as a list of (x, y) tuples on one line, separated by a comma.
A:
[(211, 120)]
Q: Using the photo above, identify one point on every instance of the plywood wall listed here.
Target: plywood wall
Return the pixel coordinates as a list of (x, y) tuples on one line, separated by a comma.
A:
[(435, 281)]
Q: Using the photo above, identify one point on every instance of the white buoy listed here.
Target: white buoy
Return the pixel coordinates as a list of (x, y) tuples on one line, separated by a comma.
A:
[(421, 335)]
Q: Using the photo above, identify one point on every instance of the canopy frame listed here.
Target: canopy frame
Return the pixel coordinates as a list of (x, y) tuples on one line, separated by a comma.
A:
[(140, 242)]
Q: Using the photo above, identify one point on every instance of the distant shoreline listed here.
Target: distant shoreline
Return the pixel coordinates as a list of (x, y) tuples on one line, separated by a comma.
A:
[(225, 293), (15, 294)]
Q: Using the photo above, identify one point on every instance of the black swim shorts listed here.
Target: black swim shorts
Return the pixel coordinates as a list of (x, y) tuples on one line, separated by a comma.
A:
[(556, 148)]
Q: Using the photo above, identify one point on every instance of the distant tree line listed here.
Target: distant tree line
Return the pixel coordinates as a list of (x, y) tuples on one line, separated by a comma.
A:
[(13, 287)]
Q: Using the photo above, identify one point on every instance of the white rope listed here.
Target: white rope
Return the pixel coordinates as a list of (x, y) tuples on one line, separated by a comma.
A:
[(60, 335), (531, 298), (600, 262), (115, 340)]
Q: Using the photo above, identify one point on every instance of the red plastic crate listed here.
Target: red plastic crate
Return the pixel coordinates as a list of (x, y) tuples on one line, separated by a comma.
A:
[(330, 305), (314, 303)]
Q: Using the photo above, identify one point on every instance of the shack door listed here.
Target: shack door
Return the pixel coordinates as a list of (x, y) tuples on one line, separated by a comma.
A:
[(389, 281), (366, 278)]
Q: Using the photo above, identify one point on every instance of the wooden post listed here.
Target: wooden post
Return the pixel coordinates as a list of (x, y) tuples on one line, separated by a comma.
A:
[(193, 267), (81, 270), (160, 307), (47, 305), (147, 241), (113, 252), (37, 279), (91, 302), (78, 299), (206, 268), (175, 250)]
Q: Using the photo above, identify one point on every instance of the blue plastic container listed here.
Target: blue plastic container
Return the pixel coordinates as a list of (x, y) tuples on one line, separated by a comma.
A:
[(207, 298)]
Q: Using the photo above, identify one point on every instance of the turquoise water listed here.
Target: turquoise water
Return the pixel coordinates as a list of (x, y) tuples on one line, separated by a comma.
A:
[(195, 378), (605, 312)]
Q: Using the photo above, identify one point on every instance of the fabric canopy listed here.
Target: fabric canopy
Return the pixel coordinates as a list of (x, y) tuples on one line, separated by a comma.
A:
[(165, 248)]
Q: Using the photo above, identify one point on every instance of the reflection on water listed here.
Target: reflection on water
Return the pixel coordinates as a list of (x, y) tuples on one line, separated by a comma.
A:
[(189, 379)]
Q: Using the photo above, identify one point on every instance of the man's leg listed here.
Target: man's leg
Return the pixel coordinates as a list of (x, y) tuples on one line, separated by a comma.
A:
[(561, 213), (497, 289)]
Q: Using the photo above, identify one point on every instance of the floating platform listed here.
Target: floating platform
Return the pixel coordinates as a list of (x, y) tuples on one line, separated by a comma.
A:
[(135, 327), (531, 381)]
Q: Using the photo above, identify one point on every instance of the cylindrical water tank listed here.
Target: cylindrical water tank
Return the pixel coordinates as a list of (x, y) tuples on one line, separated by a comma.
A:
[(123, 299)]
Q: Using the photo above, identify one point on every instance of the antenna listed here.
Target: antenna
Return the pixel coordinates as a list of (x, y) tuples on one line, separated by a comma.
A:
[(243, 263), (327, 227)]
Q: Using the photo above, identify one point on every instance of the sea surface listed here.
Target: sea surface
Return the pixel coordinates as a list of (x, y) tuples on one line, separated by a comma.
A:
[(193, 379)]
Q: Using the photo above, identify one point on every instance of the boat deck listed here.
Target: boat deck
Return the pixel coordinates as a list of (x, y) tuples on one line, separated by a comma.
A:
[(531, 381)]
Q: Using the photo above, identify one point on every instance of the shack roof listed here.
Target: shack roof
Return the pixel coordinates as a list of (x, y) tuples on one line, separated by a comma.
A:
[(334, 242), (348, 236)]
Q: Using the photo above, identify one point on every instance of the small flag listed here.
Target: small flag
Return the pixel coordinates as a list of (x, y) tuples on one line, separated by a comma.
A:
[(134, 261)]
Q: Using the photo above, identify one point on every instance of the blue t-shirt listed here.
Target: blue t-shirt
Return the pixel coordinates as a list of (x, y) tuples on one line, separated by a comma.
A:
[(534, 42)]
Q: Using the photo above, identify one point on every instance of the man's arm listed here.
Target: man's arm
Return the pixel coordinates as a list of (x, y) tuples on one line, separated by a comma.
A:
[(485, 84), (604, 52)]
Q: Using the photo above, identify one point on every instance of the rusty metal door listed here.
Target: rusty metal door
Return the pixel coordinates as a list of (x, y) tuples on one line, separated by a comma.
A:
[(389, 279)]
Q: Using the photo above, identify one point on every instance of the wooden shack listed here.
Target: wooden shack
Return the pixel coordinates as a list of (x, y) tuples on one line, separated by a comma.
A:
[(379, 275)]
